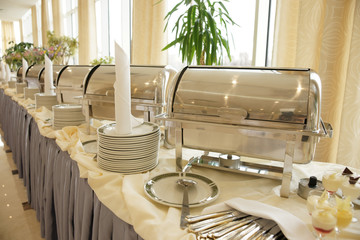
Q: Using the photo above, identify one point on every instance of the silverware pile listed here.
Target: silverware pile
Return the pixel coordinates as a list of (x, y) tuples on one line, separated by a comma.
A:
[(232, 224)]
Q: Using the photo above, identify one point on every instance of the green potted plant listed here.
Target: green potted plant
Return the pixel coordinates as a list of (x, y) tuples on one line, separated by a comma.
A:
[(102, 60), (201, 31)]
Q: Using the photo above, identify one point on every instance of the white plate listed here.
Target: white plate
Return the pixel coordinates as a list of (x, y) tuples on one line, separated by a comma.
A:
[(143, 129), (90, 146), (164, 189), (120, 159), (67, 107), (129, 171), (127, 153)]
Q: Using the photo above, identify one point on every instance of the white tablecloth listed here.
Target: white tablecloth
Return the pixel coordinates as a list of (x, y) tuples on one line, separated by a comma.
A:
[(124, 194)]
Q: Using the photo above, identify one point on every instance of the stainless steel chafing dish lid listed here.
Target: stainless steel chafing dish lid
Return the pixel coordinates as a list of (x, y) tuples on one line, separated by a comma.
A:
[(249, 96), (32, 75), (73, 76), (56, 72), (147, 82), (70, 83)]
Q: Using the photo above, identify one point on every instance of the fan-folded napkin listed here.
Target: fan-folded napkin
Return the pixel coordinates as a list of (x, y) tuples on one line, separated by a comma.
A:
[(24, 68), (2, 71), (122, 92), (49, 87), (7, 73)]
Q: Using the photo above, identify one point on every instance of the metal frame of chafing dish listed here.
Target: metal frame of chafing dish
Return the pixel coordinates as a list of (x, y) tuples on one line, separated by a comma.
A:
[(255, 169), (79, 90), (150, 107)]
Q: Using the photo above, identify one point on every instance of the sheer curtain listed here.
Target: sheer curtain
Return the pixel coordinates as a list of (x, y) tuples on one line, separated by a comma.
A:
[(7, 34), (325, 36), (44, 21), (148, 37), (87, 31), (57, 18), (34, 26), (21, 30)]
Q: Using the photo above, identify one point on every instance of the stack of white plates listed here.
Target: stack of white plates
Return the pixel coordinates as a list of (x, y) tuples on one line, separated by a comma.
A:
[(67, 115), (30, 92), (132, 153), (19, 87), (41, 99)]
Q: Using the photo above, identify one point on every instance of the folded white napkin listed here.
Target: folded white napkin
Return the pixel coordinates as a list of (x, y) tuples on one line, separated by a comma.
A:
[(7, 73), (48, 81), (292, 227), (25, 66), (2, 71), (122, 92)]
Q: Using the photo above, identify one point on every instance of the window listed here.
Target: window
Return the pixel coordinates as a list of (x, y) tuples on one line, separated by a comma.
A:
[(38, 20), (17, 31), (27, 27), (71, 22), (112, 23), (249, 43), (51, 22)]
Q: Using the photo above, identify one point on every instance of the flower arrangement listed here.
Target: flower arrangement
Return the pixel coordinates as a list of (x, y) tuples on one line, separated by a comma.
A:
[(34, 55), (61, 48), (55, 54), (14, 54)]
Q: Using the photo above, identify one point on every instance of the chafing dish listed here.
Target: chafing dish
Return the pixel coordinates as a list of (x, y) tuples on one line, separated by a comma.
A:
[(70, 83), (148, 85), (266, 113), (56, 72), (19, 74), (33, 74)]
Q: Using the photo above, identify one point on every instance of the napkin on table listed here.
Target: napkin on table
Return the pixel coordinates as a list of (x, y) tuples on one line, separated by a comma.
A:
[(49, 87), (24, 68), (292, 227)]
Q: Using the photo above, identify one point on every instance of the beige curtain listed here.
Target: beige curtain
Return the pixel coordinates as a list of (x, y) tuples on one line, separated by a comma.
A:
[(7, 34), (21, 30), (148, 37), (44, 21), (87, 31), (57, 17), (325, 35), (34, 26)]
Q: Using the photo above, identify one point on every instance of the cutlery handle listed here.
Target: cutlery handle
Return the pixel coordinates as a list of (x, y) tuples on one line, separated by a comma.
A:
[(185, 210), (197, 218), (237, 225)]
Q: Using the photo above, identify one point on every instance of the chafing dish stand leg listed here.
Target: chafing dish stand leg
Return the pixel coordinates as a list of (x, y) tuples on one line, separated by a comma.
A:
[(86, 112), (178, 146), (288, 161)]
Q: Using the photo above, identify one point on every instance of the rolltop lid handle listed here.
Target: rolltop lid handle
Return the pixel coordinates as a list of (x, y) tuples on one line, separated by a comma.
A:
[(326, 128)]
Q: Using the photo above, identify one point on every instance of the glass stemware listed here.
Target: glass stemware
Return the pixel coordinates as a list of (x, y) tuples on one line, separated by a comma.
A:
[(317, 199), (352, 191), (323, 221), (344, 213), (332, 180)]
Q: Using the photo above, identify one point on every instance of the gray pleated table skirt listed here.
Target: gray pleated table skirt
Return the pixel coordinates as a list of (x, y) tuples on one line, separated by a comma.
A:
[(65, 204)]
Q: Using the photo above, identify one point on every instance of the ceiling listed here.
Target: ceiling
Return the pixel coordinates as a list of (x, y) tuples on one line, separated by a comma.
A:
[(13, 10)]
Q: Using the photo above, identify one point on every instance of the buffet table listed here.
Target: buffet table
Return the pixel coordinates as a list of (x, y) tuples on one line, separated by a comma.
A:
[(75, 199)]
